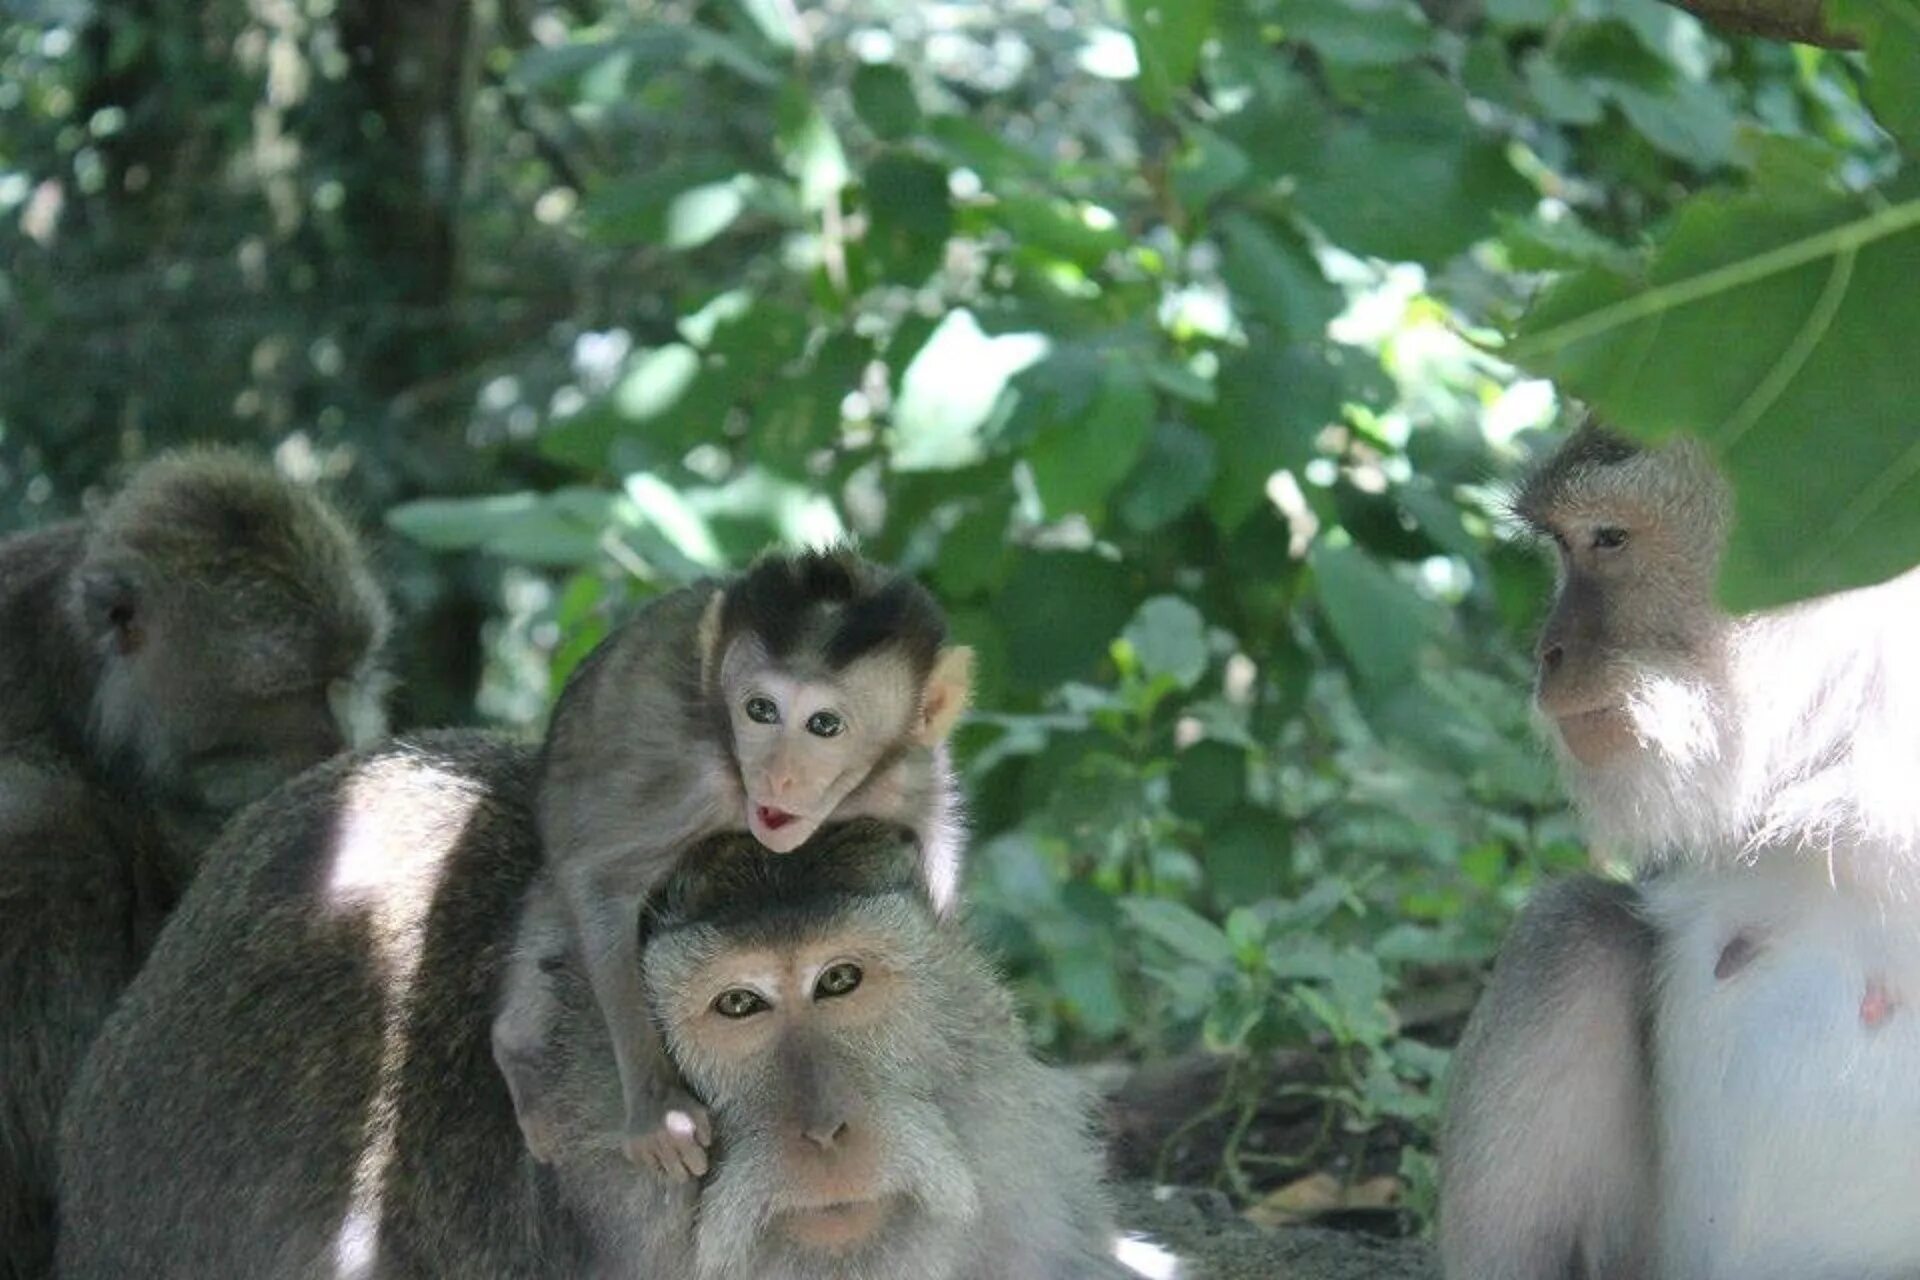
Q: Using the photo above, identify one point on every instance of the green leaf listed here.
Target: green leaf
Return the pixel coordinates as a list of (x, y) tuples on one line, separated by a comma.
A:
[(1209, 780), (1274, 273), (1889, 31), (1377, 620), (1448, 177), (974, 555), (1360, 33), (1077, 233), (1060, 609), (561, 529), (951, 393), (1247, 854), (1274, 401), (1169, 637), (1207, 167), (912, 216), (1181, 929), (1172, 474), (1819, 289), (1077, 463), (673, 200), (810, 147), (1168, 34), (883, 99)]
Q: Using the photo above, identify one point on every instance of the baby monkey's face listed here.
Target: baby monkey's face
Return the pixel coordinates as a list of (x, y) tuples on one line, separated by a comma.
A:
[(805, 739)]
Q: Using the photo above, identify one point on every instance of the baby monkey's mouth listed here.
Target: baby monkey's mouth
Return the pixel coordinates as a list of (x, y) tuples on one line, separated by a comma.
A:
[(771, 818)]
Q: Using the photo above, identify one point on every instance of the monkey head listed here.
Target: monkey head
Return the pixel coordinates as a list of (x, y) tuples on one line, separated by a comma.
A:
[(233, 628), (1631, 665), (830, 670), (823, 1031)]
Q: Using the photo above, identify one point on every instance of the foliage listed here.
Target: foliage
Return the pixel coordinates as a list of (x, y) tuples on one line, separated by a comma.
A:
[(1163, 339)]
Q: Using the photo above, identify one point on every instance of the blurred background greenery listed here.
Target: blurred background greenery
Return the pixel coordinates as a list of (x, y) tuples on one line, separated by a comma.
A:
[(1169, 340)]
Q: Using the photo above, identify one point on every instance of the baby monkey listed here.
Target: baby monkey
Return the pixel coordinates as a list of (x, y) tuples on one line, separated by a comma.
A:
[(816, 685)]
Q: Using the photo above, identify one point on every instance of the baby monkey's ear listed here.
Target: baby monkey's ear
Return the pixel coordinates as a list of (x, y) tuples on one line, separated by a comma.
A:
[(949, 686), (708, 640)]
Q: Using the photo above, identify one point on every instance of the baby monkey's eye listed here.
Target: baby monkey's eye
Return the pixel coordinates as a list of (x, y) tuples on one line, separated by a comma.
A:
[(1607, 537), (837, 979), (825, 724), (762, 711), (739, 1002)]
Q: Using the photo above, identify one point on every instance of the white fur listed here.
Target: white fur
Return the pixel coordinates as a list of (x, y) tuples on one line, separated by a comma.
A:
[(1826, 760), (1789, 1126)]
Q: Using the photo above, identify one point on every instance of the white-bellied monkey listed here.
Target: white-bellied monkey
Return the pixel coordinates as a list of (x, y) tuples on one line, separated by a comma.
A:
[(1712, 1073), (816, 685)]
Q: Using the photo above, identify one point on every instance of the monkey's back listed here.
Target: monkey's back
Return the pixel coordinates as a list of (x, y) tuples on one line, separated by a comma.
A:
[(299, 1083)]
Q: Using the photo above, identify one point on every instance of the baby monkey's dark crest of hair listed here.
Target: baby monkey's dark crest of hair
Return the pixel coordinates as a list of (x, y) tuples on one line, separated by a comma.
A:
[(832, 600), (1588, 449)]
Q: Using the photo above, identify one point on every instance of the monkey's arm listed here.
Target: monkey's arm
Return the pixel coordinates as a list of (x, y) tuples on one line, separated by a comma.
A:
[(666, 1128), (1546, 1159)]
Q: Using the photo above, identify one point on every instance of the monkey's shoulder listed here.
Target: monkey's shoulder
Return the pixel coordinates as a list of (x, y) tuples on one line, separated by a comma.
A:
[(420, 814)]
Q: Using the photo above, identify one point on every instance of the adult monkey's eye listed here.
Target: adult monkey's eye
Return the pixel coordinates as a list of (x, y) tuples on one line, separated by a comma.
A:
[(837, 979), (825, 724), (739, 1002), (762, 710), (1607, 537)]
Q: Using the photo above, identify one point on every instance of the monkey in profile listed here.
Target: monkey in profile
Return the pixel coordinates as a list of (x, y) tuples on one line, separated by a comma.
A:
[(330, 1107), (816, 685), (1712, 1073), (210, 632)]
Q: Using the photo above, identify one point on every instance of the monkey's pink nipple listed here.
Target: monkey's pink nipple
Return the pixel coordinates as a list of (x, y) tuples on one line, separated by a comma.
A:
[(771, 818)]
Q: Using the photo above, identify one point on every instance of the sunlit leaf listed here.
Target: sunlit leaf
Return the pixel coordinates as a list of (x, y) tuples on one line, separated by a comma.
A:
[(952, 390)]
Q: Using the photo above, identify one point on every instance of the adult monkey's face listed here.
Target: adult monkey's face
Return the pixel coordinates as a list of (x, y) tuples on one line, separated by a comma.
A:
[(814, 1034)]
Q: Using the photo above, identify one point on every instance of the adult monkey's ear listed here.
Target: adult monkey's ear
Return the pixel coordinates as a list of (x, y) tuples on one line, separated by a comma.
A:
[(708, 638), (949, 687)]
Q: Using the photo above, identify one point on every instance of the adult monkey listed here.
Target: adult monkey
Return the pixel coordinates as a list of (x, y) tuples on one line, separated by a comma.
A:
[(1714, 1073), (328, 1104), (209, 633)]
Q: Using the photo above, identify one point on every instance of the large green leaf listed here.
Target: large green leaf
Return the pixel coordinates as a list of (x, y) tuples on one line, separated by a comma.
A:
[(1779, 326)]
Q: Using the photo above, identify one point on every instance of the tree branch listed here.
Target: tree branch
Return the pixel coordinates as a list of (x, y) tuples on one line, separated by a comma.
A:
[(1801, 21)]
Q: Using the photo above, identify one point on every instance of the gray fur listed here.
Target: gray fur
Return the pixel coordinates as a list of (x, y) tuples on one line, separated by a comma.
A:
[(299, 1085), (1547, 1152), (155, 668)]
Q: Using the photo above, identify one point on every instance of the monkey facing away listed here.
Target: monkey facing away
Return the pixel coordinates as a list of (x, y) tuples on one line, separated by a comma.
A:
[(814, 685), (299, 1085), (1712, 1074), (207, 634)]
